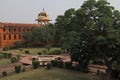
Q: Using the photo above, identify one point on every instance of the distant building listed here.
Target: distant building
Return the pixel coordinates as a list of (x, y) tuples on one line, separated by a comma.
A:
[(12, 32)]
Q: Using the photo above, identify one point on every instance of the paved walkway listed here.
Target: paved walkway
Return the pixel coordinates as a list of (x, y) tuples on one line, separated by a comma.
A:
[(8, 68), (27, 59)]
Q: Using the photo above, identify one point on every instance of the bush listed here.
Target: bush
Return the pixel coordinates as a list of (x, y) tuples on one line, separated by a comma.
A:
[(17, 68), (79, 68), (48, 47), (116, 74), (54, 63), (7, 55), (18, 56), (44, 51), (27, 52), (20, 49), (68, 65), (39, 53), (55, 52), (23, 69), (4, 73), (48, 66), (12, 47), (1, 56), (60, 64), (35, 64), (5, 49), (14, 59), (84, 69), (18, 44)]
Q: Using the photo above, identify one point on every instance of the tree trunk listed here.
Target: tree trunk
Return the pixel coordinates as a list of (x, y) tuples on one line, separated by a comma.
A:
[(109, 72)]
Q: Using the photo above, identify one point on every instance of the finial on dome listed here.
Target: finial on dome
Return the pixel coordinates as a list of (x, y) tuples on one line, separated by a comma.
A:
[(43, 17), (43, 9)]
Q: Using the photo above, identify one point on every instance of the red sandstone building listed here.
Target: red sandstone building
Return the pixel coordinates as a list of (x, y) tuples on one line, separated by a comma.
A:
[(12, 32)]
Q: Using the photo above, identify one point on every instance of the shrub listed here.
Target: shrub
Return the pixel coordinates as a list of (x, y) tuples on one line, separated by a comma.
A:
[(79, 68), (48, 66), (54, 63), (84, 69), (23, 69), (12, 47), (44, 51), (27, 52), (68, 65), (1, 56), (18, 44), (39, 53), (4, 73), (60, 64), (4, 54), (48, 47), (55, 52), (5, 49), (20, 49), (35, 64), (17, 68), (18, 56), (115, 74), (14, 59), (7, 55)]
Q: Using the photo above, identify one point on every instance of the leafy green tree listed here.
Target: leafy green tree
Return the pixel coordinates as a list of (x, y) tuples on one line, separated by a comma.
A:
[(18, 44), (62, 24), (28, 38), (40, 35), (96, 33)]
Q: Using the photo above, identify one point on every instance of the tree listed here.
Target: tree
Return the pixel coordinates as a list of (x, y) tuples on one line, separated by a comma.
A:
[(62, 24), (40, 35), (18, 44), (97, 25), (28, 38), (69, 38)]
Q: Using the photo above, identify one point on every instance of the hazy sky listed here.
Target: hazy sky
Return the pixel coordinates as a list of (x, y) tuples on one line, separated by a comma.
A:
[(26, 11)]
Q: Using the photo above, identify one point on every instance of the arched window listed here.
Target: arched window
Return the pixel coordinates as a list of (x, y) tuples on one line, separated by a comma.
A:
[(9, 30), (4, 37), (19, 29), (4, 30), (14, 30), (27, 29), (15, 36), (9, 37), (23, 30), (19, 36)]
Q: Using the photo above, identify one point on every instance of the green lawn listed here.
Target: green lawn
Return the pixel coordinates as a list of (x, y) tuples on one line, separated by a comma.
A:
[(4, 62), (33, 51), (53, 74)]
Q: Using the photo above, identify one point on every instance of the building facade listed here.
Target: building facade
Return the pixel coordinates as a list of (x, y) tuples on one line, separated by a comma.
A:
[(12, 32)]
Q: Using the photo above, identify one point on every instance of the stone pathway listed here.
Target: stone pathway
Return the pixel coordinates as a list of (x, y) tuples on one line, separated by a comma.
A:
[(8, 68)]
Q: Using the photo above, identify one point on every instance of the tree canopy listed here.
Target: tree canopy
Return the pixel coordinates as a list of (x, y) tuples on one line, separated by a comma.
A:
[(91, 32)]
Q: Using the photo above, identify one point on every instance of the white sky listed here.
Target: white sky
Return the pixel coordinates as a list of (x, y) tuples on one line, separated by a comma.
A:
[(26, 11)]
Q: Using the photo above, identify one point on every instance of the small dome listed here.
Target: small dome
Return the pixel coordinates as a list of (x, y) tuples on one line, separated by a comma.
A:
[(43, 16)]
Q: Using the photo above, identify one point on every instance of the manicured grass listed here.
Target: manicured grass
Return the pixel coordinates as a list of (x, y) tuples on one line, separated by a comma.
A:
[(4, 62), (33, 51), (53, 74)]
